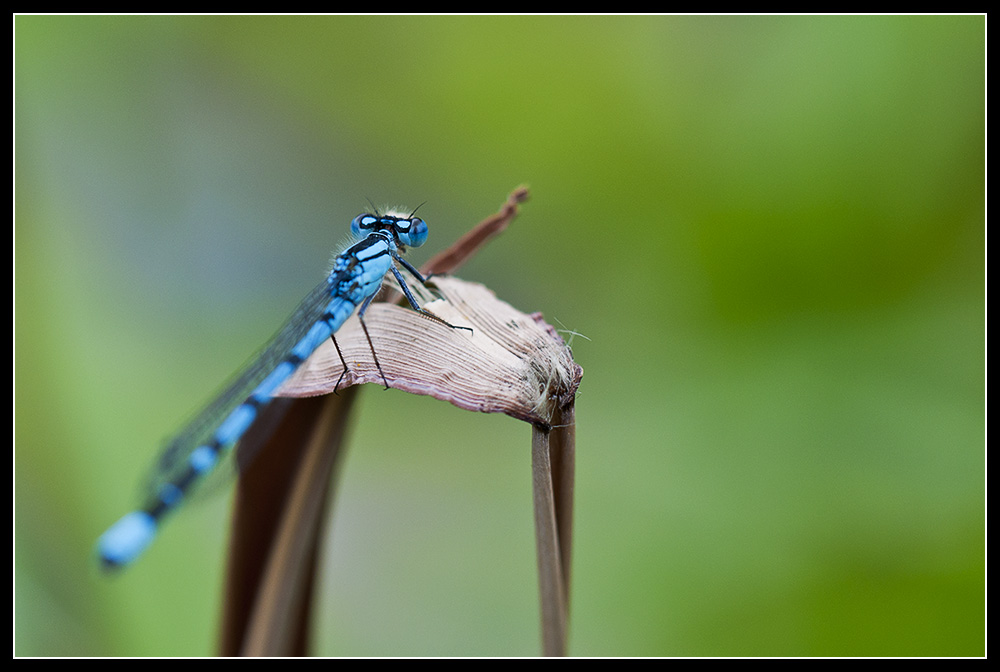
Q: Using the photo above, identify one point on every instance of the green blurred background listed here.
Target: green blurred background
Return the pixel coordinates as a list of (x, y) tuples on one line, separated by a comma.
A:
[(771, 231)]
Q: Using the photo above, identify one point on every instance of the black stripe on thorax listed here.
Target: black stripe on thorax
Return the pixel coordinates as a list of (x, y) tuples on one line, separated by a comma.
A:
[(372, 239)]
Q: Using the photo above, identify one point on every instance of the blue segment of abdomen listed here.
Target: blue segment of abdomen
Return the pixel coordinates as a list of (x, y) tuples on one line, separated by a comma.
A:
[(126, 539)]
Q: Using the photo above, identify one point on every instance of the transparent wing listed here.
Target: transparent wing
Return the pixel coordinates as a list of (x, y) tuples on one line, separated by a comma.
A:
[(173, 460)]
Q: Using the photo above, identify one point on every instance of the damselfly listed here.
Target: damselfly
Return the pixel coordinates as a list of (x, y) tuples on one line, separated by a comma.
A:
[(356, 277)]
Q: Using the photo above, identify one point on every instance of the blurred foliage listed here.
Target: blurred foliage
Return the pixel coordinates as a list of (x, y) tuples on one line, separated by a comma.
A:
[(771, 231)]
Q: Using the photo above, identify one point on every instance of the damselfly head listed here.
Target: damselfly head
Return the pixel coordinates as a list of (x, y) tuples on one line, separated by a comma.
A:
[(408, 230)]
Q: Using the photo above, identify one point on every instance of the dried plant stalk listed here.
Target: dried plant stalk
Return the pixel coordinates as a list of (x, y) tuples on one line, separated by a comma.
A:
[(510, 363)]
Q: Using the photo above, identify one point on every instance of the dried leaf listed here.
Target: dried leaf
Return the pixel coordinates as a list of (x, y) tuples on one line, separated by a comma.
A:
[(510, 362)]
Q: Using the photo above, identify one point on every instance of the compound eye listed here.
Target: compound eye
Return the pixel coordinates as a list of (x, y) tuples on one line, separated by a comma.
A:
[(413, 233), (362, 223)]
